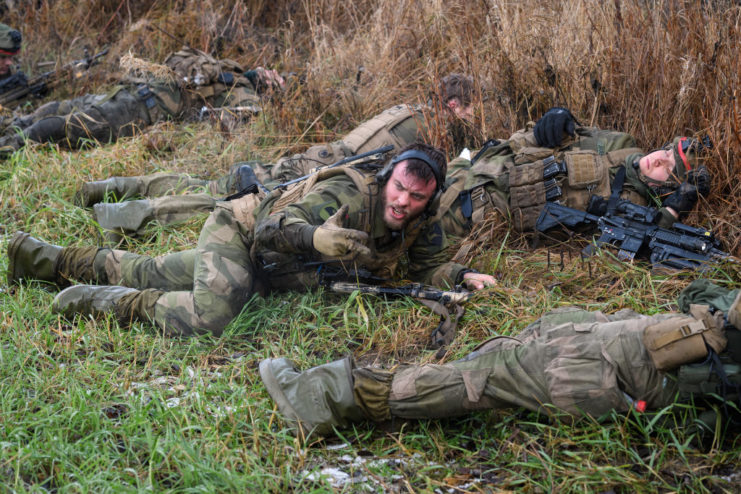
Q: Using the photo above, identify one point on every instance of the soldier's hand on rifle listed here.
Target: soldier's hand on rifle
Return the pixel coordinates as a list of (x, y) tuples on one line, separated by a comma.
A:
[(332, 239), (550, 128), (681, 201), (477, 281)]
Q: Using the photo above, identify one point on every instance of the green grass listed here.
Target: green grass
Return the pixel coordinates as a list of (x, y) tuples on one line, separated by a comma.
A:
[(89, 406)]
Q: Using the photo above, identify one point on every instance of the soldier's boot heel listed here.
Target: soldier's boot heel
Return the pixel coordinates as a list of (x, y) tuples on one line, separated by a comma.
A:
[(316, 400), (119, 188), (31, 258), (126, 304)]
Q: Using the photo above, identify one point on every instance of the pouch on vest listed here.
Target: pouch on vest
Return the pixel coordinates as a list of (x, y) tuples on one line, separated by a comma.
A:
[(682, 340)]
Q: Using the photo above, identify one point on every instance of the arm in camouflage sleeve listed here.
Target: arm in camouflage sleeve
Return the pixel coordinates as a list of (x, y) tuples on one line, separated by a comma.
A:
[(291, 230), (428, 259)]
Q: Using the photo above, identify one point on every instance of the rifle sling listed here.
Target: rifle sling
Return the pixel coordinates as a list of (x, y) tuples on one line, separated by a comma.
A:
[(444, 333)]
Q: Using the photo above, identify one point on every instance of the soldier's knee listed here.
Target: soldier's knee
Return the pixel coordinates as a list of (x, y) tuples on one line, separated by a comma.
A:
[(47, 129)]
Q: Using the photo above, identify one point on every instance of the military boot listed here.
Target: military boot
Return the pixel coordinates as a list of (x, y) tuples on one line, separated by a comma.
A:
[(123, 218), (94, 192), (127, 304), (318, 399), (247, 180), (30, 258)]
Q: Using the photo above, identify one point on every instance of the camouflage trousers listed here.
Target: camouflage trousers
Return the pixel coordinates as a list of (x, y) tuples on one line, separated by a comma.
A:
[(132, 217), (577, 362), (88, 119), (205, 287)]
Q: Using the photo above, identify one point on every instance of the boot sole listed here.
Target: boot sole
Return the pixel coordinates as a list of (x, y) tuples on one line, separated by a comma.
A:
[(13, 247), (276, 393)]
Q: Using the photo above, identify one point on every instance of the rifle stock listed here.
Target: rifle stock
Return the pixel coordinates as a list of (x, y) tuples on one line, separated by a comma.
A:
[(556, 215), (414, 290)]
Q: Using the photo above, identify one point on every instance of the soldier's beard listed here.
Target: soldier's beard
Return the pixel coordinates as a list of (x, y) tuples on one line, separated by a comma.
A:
[(397, 223)]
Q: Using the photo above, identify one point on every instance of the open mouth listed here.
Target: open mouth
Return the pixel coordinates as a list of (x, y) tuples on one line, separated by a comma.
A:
[(397, 213)]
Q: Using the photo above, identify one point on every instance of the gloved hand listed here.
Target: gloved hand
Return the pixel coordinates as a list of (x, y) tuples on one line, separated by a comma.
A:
[(549, 129), (701, 179), (264, 79), (331, 239), (685, 197)]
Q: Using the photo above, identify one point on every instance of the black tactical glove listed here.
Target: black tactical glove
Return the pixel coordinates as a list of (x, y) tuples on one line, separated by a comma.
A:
[(550, 128), (685, 197)]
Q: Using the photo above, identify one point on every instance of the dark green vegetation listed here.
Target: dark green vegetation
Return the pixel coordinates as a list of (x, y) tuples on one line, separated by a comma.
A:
[(87, 406)]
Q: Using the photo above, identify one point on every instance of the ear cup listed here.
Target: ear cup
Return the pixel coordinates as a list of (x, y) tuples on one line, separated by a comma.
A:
[(434, 203), (385, 173)]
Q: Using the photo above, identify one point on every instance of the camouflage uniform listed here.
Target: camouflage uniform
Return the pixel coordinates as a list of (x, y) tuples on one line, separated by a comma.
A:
[(580, 362), (508, 177), (398, 126), (205, 288), (283, 240), (570, 360), (136, 104)]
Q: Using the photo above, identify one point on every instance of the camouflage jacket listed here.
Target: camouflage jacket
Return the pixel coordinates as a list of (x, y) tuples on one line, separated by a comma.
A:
[(283, 241)]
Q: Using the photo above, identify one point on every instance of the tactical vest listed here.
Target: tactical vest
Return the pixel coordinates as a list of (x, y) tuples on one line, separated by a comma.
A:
[(586, 162), (382, 264), (399, 125)]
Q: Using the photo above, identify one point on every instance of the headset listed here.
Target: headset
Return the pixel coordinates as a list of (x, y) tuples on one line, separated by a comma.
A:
[(433, 204)]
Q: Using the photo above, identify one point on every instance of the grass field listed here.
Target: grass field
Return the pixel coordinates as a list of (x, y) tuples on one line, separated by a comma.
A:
[(87, 406)]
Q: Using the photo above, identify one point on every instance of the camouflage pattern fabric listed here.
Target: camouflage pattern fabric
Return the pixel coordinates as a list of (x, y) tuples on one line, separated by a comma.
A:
[(101, 118), (165, 184), (398, 126), (284, 252), (587, 364), (205, 287), (131, 217), (489, 180)]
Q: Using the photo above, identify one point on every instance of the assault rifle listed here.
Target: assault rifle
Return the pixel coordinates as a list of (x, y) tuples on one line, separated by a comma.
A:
[(414, 290), (439, 301), (632, 230), (373, 155), (17, 86)]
